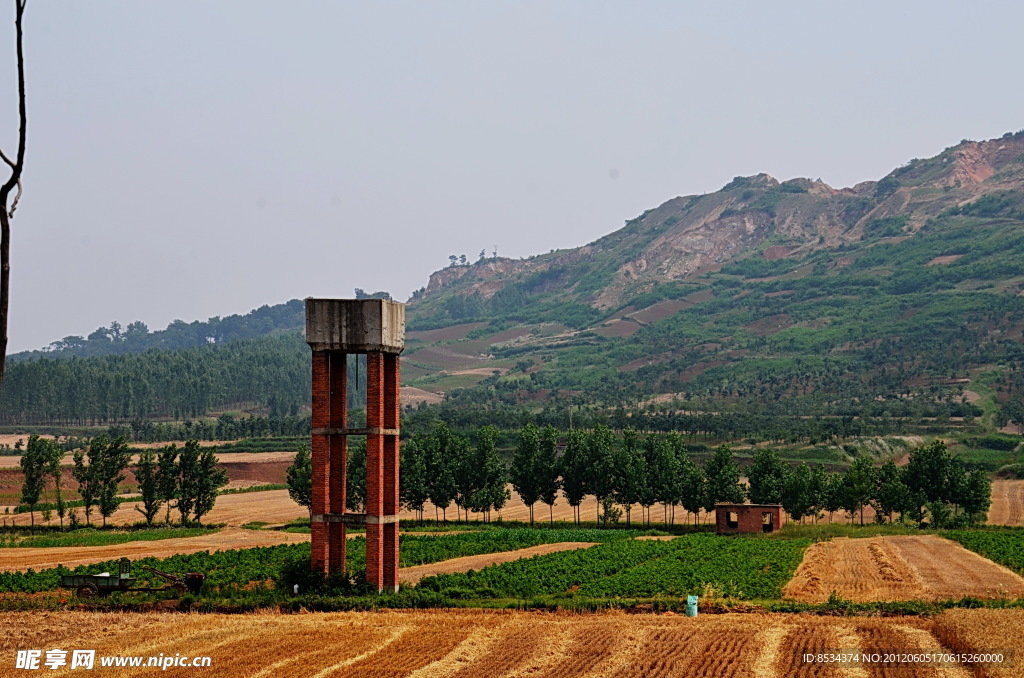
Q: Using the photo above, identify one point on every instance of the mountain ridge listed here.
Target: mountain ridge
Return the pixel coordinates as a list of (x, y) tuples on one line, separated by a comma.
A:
[(690, 235)]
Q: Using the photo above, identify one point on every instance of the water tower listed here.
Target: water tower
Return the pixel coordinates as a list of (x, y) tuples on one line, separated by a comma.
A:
[(336, 329)]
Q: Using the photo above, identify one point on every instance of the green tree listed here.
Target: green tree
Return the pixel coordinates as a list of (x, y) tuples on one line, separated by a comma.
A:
[(630, 472), (355, 478), (54, 468), (413, 478), (523, 472), (492, 477), (147, 473), (977, 496), (547, 469), (209, 479), (767, 477), (600, 479), (931, 476), (892, 494), (574, 470), (818, 489), (299, 477), (468, 479), (798, 493), (88, 478), (441, 458), (33, 464), (833, 494), (167, 477), (663, 471), (693, 487), (1013, 411), (114, 457), (188, 470), (723, 479), (858, 487)]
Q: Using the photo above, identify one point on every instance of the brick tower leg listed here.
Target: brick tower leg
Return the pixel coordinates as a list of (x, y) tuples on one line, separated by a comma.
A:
[(336, 536), (391, 490), (374, 469), (319, 555)]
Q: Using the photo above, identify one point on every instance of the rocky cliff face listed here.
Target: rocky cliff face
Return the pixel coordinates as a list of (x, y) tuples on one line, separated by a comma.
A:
[(476, 276), (751, 216)]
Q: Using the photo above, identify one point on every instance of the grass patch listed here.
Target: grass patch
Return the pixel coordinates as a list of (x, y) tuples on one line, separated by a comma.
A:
[(826, 531), (256, 488), (281, 444)]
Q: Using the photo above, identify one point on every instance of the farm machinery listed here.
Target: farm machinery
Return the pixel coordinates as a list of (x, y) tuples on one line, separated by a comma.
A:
[(105, 583)]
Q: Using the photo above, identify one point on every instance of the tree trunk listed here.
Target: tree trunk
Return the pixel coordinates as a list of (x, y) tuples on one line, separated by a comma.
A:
[(5, 278), (5, 191)]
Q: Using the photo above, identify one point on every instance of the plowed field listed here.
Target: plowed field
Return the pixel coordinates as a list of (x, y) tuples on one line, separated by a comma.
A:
[(411, 575), (899, 568), (231, 538), (491, 644), (274, 506), (1007, 503)]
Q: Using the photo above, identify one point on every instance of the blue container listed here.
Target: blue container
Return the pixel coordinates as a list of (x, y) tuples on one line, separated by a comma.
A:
[(691, 606)]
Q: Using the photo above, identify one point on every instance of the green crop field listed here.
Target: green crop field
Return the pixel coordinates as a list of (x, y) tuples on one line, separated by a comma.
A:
[(746, 568)]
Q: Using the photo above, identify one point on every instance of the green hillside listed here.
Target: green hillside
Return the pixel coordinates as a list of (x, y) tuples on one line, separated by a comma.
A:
[(897, 300), (894, 298)]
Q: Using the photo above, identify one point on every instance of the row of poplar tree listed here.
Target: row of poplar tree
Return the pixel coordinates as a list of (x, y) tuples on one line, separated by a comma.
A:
[(187, 479), (444, 468), (933, 485)]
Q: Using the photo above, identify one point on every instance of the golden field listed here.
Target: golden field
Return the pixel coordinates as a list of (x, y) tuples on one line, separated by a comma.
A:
[(500, 644)]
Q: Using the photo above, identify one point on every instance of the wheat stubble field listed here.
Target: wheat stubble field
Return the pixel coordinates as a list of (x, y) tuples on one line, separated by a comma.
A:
[(1007, 503), (925, 567), (501, 644)]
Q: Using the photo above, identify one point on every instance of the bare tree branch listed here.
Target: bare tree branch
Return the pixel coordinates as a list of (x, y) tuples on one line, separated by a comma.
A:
[(14, 204), (6, 159)]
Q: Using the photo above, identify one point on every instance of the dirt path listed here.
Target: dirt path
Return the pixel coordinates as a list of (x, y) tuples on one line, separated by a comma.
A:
[(231, 538), (411, 575), (924, 567)]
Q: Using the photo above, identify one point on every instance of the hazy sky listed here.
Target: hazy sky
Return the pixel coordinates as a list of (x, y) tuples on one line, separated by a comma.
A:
[(189, 159)]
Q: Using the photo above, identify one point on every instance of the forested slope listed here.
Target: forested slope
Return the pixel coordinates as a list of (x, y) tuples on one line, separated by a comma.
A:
[(136, 337)]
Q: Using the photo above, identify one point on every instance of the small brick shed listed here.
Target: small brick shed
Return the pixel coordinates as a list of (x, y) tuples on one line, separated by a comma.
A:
[(747, 518)]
